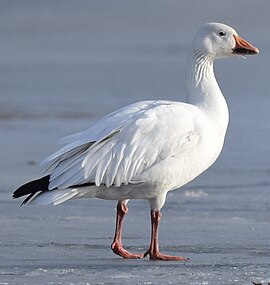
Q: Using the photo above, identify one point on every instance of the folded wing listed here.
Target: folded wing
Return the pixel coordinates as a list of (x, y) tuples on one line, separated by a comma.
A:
[(122, 145)]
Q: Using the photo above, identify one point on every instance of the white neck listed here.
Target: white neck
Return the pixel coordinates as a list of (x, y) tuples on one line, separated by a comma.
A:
[(203, 90)]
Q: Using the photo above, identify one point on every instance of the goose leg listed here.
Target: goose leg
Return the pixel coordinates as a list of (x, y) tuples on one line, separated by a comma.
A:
[(153, 250), (117, 245)]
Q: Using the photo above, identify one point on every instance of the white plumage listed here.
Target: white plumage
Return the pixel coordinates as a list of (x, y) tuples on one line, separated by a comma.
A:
[(147, 149), (121, 147)]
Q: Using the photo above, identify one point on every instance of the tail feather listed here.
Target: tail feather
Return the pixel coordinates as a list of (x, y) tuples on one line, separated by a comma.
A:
[(60, 196), (54, 197)]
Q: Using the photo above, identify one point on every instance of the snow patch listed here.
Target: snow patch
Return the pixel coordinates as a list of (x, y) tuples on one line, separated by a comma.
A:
[(195, 194)]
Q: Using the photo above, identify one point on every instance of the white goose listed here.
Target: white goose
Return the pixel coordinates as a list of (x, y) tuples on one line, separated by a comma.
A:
[(146, 149)]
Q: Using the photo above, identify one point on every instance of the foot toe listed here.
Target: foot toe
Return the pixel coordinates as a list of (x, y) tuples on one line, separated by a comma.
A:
[(164, 257), (118, 249)]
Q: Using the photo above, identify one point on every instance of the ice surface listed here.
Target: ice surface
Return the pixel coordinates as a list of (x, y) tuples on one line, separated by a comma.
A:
[(63, 64)]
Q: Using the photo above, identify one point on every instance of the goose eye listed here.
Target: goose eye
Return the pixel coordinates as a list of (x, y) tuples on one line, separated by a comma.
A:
[(222, 33)]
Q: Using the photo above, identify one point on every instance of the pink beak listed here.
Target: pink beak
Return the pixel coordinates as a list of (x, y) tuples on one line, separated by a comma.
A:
[(243, 47)]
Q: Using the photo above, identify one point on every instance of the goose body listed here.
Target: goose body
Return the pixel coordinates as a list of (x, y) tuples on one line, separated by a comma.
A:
[(146, 149), (141, 151)]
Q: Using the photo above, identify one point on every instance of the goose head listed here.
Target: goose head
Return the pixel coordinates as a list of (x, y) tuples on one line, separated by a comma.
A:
[(216, 40)]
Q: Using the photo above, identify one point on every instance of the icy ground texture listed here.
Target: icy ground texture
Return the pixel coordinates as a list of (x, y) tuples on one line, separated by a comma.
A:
[(227, 241), (63, 64)]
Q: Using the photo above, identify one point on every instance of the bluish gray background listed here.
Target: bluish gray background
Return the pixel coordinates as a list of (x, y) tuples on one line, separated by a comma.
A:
[(63, 65)]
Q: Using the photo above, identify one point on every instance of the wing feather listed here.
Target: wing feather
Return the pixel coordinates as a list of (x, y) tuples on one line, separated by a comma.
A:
[(123, 145), (66, 164)]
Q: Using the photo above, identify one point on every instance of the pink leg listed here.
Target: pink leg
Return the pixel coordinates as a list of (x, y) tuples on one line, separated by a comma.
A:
[(153, 250), (117, 245)]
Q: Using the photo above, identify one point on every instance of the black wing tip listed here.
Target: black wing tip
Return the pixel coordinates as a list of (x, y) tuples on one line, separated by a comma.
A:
[(40, 185), (27, 199), (16, 194), (32, 187)]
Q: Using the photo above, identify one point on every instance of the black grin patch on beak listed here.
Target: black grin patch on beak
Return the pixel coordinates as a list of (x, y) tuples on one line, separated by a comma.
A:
[(244, 51)]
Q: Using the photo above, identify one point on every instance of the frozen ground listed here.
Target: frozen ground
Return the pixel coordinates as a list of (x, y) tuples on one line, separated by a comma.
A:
[(63, 64)]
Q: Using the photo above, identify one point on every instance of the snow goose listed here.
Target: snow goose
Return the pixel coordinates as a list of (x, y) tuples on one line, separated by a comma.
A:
[(146, 149)]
